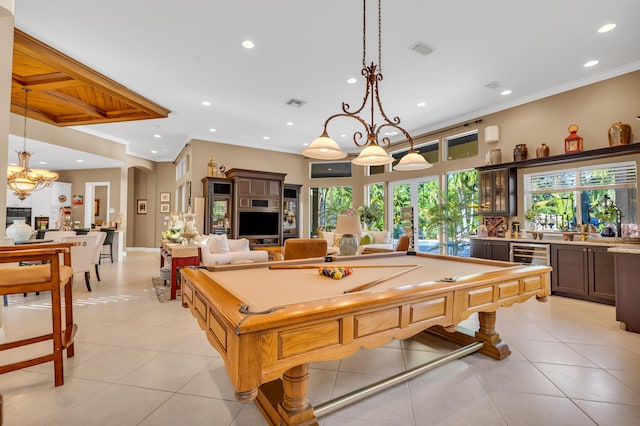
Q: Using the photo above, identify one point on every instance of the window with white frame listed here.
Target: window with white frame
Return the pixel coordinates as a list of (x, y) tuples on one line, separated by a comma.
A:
[(463, 145), (601, 195)]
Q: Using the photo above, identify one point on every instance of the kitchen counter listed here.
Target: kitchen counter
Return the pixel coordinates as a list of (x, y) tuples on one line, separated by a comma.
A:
[(622, 243)]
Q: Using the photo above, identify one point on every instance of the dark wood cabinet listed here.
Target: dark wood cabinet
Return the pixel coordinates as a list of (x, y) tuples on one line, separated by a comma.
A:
[(497, 192), (583, 272), (218, 205), (627, 290), (489, 249), (291, 211)]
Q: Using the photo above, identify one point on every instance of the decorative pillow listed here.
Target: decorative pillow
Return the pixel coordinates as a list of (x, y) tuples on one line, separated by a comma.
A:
[(381, 237), (218, 243), (366, 238), (241, 244), (336, 240), (329, 236)]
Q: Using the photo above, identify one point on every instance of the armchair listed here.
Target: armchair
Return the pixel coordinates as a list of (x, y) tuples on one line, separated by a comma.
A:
[(303, 248), (48, 275)]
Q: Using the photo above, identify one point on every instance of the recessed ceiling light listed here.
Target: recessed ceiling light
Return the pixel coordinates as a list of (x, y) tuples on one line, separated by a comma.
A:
[(157, 136), (606, 28), (343, 136), (266, 138), (289, 123), (304, 144), (212, 130), (421, 104), (352, 80), (390, 133), (206, 103), (505, 92), (248, 44), (43, 162), (79, 161), (154, 151), (591, 63)]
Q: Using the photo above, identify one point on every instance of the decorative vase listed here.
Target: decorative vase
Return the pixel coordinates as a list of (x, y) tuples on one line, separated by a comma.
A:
[(348, 245), (520, 152), (19, 231), (542, 151), (189, 230), (493, 156), (619, 134)]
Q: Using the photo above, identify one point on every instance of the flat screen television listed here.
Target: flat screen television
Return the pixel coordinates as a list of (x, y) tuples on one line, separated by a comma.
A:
[(259, 223)]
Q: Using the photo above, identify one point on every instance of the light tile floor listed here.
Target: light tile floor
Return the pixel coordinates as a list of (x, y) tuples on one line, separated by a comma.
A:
[(141, 362)]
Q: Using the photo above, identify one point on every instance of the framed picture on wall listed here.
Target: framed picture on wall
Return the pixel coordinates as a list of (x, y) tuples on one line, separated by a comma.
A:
[(77, 200), (165, 197), (141, 207), (164, 208)]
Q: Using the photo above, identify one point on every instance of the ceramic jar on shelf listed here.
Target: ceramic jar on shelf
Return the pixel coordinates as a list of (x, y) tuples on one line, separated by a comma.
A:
[(619, 134), (520, 152), (542, 151)]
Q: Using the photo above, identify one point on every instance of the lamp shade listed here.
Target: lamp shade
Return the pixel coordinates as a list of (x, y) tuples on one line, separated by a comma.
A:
[(373, 155), (412, 161), (324, 148), (491, 134), (348, 224)]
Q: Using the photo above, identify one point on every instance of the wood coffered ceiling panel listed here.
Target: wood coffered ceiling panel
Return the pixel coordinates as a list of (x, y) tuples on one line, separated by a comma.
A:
[(65, 92)]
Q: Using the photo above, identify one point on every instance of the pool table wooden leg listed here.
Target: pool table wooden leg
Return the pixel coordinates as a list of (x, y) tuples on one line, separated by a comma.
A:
[(493, 345), (286, 401)]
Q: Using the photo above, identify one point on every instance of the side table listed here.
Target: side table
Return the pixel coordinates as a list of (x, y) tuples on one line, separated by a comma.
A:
[(177, 256)]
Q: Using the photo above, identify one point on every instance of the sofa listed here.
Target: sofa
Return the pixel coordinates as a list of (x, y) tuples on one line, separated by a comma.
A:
[(367, 239), (220, 250)]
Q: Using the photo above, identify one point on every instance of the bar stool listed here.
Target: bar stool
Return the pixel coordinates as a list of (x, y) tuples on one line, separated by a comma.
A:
[(108, 241), (51, 275)]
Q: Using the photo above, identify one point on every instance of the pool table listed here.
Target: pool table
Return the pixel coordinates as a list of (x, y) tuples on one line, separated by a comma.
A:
[(269, 320)]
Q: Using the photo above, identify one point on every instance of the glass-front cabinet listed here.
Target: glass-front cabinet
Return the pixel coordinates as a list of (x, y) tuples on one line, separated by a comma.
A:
[(218, 205), (497, 192), (291, 211)]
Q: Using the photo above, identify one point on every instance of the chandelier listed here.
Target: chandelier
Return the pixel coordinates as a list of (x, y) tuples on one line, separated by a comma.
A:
[(373, 154), (22, 180)]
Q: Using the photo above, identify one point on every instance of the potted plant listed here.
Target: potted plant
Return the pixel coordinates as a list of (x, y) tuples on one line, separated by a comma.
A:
[(369, 215)]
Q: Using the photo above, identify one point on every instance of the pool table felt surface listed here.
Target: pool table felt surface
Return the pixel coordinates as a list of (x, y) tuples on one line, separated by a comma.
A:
[(263, 288)]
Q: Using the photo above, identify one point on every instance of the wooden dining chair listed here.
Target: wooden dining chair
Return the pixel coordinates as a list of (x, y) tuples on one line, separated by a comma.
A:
[(49, 275)]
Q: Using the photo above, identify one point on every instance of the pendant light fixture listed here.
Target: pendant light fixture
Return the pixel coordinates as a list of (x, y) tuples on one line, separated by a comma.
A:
[(373, 154), (20, 179)]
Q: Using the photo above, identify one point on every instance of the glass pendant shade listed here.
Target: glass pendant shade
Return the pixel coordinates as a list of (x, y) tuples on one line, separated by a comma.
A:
[(373, 155), (324, 148), (412, 161)]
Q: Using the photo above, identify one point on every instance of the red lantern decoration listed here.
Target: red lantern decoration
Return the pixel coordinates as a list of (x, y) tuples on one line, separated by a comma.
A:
[(573, 142)]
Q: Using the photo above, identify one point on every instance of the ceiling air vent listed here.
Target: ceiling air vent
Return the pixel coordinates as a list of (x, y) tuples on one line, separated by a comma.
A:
[(493, 85), (422, 48), (295, 103)]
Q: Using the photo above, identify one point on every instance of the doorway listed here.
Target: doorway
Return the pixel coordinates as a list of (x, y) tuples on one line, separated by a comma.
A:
[(98, 203)]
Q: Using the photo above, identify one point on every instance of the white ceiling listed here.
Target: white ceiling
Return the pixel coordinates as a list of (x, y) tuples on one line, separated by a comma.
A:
[(179, 54)]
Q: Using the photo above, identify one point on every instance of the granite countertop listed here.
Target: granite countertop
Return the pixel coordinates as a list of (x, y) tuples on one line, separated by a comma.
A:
[(595, 240), (628, 248)]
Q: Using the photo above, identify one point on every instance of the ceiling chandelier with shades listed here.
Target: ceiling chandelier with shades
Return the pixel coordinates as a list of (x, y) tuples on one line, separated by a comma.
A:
[(373, 154), (22, 180)]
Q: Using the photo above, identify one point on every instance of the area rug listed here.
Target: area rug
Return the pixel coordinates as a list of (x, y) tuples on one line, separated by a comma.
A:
[(163, 291)]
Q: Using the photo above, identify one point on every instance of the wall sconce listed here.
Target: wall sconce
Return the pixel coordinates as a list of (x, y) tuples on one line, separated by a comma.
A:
[(491, 134)]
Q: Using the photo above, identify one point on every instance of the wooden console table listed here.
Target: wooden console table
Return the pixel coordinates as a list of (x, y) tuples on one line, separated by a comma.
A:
[(177, 256)]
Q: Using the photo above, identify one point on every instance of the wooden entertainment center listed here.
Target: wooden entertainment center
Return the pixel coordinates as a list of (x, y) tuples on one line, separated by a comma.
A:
[(246, 204)]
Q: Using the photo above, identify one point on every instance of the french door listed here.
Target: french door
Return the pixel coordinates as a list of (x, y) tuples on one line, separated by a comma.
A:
[(406, 207)]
